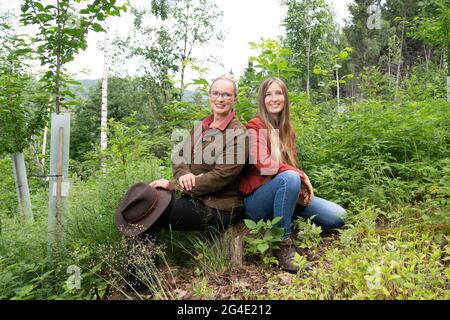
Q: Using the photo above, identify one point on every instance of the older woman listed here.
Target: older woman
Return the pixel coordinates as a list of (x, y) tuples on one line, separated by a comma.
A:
[(207, 174)]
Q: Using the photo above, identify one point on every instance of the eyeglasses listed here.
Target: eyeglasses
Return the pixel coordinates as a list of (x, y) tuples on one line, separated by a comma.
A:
[(217, 94)]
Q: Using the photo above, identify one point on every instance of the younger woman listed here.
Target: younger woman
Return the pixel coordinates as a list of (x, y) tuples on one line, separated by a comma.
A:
[(272, 184)]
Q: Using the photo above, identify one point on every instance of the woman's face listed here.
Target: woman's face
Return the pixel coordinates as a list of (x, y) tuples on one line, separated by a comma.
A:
[(221, 97), (274, 99)]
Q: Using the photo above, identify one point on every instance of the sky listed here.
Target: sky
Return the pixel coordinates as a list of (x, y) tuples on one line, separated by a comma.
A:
[(243, 20)]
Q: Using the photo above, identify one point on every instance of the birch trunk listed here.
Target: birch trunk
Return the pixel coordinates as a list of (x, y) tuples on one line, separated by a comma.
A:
[(104, 106), (308, 57), (399, 65)]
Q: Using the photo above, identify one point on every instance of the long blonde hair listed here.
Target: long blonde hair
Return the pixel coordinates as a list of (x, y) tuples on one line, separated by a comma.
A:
[(285, 149)]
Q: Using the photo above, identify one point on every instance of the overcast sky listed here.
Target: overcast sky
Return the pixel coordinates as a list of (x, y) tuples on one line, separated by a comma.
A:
[(244, 20)]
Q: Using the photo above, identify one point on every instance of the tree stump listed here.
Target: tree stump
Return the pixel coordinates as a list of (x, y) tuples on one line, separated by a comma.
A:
[(234, 238)]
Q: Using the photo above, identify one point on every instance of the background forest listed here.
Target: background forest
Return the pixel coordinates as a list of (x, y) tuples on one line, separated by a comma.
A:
[(370, 106)]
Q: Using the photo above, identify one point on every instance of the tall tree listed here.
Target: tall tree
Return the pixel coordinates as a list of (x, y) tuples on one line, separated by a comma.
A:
[(309, 33), (196, 24), (58, 41), (104, 105), (168, 45), (366, 32)]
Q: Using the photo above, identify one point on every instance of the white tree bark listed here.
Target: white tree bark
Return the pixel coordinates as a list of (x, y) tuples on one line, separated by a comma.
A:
[(308, 57), (399, 64), (104, 114)]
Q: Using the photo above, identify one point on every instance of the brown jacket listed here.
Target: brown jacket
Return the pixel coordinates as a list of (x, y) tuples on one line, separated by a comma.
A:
[(219, 156)]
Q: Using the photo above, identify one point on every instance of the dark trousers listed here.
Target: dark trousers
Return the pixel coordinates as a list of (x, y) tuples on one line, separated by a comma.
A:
[(189, 214)]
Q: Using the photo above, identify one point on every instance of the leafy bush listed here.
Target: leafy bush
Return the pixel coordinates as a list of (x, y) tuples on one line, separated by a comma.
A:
[(388, 153), (426, 81), (8, 197), (263, 235)]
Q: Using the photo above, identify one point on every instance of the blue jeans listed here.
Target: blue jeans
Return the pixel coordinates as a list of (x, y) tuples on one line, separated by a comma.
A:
[(278, 198)]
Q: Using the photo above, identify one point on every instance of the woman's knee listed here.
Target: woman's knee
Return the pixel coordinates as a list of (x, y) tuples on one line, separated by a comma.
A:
[(338, 219), (291, 179)]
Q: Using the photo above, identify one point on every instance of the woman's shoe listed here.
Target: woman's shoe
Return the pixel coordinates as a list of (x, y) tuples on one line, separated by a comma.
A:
[(285, 255)]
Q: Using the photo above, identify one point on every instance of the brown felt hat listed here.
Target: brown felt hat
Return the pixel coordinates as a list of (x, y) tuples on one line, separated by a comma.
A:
[(140, 208)]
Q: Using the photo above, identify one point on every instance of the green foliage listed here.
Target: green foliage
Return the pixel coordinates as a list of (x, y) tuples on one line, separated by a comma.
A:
[(388, 153), (311, 34), (330, 74), (374, 84), (202, 290), (273, 60), (89, 228), (136, 98), (62, 35), (8, 198), (23, 103), (432, 25), (308, 236), (426, 81), (168, 49), (263, 236)]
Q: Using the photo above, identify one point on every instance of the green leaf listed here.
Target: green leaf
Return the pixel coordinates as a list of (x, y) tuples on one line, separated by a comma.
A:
[(39, 6), (262, 247), (23, 51), (25, 7), (343, 54), (250, 223), (317, 70), (276, 220), (97, 27), (73, 82), (202, 82)]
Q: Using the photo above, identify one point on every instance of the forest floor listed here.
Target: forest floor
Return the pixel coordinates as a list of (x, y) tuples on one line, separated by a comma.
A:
[(251, 280)]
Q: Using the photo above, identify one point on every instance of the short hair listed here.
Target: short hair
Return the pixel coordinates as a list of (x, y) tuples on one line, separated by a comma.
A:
[(227, 78)]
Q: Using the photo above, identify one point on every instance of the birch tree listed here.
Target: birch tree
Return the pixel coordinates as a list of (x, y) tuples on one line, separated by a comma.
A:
[(169, 45), (104, 106), (309, 33)]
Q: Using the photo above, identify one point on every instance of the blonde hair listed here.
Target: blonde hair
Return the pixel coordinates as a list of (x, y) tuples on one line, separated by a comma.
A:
[(283, 149), (226, 78)]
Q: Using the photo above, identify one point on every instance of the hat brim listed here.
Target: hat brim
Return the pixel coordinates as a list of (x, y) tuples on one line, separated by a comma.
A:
[(136, 228)]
